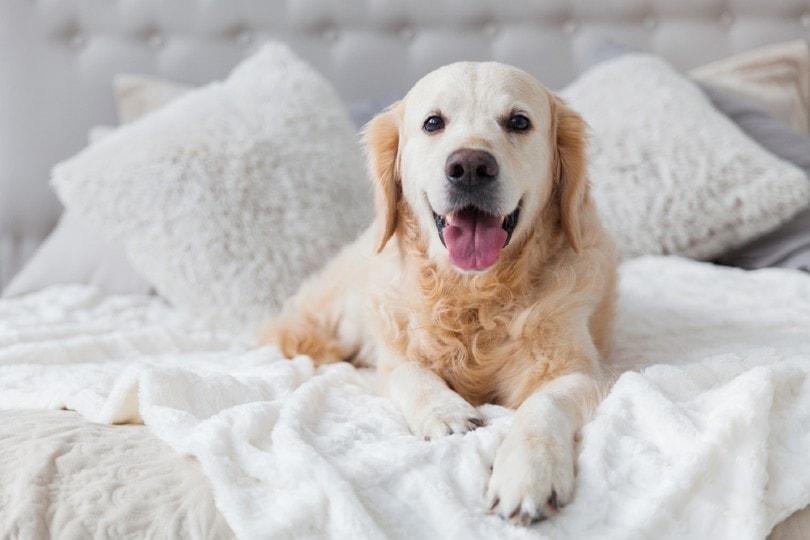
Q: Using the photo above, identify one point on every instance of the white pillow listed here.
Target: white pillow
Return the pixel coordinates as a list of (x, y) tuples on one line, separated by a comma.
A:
[(226, 198), (77, 252), (670, 174)]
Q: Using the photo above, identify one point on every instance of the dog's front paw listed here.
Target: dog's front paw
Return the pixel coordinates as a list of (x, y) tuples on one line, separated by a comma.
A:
[(532, 478), (444, 415)]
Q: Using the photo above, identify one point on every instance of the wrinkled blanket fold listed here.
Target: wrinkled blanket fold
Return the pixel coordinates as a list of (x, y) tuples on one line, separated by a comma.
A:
[(705, 434)]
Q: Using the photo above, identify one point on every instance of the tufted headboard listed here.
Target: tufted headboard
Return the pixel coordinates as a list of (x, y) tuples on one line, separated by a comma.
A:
[(57, 58)]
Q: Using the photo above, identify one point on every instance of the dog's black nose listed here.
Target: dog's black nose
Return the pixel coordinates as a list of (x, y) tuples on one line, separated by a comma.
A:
[(470, 168)]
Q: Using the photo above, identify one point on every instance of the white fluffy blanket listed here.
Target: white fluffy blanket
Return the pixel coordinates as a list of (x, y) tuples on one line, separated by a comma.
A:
[(706, 436)]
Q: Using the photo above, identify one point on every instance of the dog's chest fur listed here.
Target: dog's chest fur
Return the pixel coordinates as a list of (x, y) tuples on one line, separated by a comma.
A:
[(479, 335)]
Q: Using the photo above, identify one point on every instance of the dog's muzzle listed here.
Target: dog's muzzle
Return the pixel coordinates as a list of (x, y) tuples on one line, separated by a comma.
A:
[(475, 231)]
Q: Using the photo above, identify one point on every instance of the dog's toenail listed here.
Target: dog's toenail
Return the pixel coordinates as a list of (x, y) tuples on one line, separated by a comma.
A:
[(552, 500)]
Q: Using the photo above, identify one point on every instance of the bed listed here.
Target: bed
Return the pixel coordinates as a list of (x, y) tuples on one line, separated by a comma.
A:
[(134, 401)]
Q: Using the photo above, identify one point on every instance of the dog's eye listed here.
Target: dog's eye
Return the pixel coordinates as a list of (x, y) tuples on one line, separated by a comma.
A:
[(433, 123), (518, 122)]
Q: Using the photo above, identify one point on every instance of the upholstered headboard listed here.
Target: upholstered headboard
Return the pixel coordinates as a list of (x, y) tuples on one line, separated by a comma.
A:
[(57, 58)]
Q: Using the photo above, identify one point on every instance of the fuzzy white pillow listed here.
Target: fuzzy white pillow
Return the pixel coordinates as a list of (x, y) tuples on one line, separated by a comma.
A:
[(670, 174), (228, 197)]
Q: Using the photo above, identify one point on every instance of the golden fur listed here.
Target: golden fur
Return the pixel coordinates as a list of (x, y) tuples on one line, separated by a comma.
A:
[(475, 331), (543, 311), (484, 334)]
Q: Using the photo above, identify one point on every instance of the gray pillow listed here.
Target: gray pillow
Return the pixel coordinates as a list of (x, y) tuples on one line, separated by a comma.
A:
[(789, 245)]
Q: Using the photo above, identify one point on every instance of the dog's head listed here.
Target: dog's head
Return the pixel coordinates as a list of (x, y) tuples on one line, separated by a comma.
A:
[(475, 152)]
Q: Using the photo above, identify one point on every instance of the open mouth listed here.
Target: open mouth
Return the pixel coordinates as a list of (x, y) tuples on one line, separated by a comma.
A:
[(475, 238)]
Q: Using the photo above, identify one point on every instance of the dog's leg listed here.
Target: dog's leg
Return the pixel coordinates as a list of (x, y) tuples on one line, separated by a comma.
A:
[(325, 318), (533, 473), (430, 407), (297, 333)]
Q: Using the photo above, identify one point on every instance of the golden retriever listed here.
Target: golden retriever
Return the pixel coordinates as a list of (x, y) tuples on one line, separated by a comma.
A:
[(485, 278)]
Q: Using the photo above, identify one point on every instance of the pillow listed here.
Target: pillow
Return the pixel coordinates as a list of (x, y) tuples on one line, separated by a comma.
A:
[(138, 95), (789, 245), (226, 198), (775, 78), (670, 174), (76, 252)]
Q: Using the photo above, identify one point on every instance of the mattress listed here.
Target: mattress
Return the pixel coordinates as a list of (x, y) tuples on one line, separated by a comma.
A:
[(65, 477)]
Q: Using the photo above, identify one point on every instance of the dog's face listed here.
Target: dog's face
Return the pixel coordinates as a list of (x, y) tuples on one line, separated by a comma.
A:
[(474, 151)]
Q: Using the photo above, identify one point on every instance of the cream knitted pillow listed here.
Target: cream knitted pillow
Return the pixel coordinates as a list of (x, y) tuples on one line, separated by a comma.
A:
[(226, 198), (670, 174)]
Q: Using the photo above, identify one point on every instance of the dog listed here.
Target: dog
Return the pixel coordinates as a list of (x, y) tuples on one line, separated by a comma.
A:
[(486, 276)]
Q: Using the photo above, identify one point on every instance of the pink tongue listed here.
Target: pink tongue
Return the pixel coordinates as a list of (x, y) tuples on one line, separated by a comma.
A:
[(474, 239)]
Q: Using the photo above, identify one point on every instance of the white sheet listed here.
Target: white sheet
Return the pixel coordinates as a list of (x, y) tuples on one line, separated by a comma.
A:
[(710, 442)]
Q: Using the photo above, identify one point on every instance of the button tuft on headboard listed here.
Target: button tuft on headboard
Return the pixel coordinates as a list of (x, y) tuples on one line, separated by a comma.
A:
[(77, 40), (244, 38), (330, 34), (156, 40), (570, 26), (407, 33)]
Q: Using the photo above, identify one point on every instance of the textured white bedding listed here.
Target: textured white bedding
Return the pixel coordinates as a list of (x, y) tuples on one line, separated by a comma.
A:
[(710, 442)]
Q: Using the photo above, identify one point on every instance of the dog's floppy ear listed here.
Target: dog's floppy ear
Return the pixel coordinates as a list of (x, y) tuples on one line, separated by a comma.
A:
[(381, 141), (570, 175)]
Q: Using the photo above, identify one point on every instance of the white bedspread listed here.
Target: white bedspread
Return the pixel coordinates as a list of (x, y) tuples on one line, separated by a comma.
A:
[(712, 441)]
